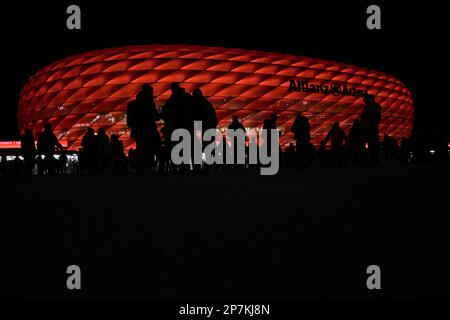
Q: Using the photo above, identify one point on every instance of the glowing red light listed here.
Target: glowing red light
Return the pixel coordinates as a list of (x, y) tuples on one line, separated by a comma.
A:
[(17, 144), (92, 90), (9, 144)]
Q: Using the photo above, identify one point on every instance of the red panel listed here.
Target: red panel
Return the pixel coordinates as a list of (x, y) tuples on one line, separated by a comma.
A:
[(93, 89)]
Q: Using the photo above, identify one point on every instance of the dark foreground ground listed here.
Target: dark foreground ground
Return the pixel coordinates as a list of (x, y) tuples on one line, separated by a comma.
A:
[(297, 235)]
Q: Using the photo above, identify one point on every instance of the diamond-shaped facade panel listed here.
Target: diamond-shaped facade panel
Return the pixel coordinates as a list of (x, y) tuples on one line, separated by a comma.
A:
[(93, 89)]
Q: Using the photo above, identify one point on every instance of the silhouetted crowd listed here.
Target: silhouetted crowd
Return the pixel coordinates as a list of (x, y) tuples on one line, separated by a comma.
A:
[(101, 154)]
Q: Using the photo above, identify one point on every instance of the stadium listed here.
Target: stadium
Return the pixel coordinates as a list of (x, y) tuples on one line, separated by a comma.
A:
[(93, 89)]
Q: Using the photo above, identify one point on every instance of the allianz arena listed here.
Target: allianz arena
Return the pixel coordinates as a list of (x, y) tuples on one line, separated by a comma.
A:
[(93, 89)]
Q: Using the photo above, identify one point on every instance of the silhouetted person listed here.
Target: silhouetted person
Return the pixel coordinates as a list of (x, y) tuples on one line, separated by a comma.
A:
[(47, 141), (132, 158), (273, 121), (312, 154), (75, 167), (302, 137), (267, 125), (236, 125), (47, 145), (90, 151), (385, 147), (204, 111), (117, 154), (141, 118), (442, 146), (270, 124), (253, 143), (290, 155), (17, 165), (164, 154), (40, 163), (2, 165), (104, 154), (419, 147), (394, 154), (224, 149), (405, 149), (390, 149), (178, 112), (62, 164), (355, 144), (370, 120), (338, 138), (28, 150), (322, 152)]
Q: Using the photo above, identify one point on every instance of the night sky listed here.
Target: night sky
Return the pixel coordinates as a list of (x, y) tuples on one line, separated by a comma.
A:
[(413, 44)]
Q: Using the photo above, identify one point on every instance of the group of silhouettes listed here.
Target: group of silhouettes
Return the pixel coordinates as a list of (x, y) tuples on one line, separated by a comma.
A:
[(360, 147), (101, 154), (179, 112)]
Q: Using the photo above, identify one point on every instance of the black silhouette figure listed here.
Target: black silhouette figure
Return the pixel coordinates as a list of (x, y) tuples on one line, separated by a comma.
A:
[(385, 147), (47, 145), (62, 164), (253, 144), (224, 151), (322, 152), (141, 118), (75, 167), (267, 125), (302, 137), (17, 166), (117, 154), (394, 151), (132, 159), (290, 155), (236, 125), (270, 124), (3, 165), (390, 150), (203, 111), (370, 120), (338, 137), (178, 113), (28, 149), (405, 150), (40, 163), (355, 144), (164, 154), (89, 155), (273, 121), (47, 142), (103, 147)]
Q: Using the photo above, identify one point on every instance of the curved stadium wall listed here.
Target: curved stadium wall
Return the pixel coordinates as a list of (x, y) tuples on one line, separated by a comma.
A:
[(92, 89)]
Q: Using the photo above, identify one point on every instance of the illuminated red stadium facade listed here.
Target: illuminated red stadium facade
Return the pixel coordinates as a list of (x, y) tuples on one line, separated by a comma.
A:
[(92, 90)]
